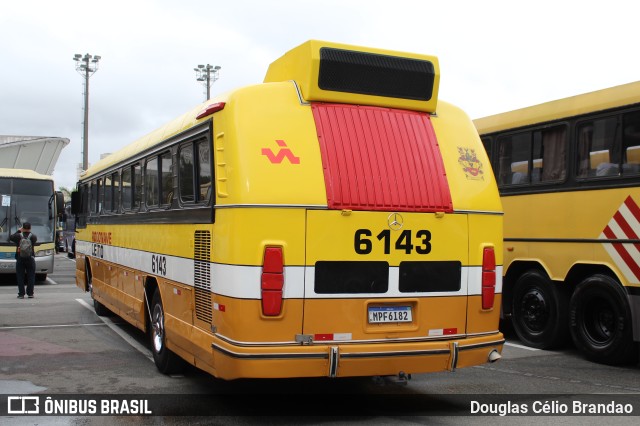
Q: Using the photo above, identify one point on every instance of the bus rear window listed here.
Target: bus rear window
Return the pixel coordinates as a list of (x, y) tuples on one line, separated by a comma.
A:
[(344, 277), (433, 276)]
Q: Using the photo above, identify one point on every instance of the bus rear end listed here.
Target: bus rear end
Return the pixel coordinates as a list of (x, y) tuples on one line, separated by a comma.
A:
[(371, 224)]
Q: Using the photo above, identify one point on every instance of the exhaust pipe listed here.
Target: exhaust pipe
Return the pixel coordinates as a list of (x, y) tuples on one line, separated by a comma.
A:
[(494, 355)]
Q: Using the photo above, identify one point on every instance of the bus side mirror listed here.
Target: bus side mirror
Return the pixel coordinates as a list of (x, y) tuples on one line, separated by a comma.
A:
[(75, 203), (59, 203)]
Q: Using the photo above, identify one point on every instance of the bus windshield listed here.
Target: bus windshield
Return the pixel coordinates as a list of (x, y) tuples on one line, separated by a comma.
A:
[(26, 201)]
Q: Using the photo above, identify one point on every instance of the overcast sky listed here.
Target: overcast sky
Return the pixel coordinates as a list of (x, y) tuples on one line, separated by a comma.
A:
[(495, 55)]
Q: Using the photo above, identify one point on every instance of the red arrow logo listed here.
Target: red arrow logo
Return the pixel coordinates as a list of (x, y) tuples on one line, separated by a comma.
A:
[(283, 153)]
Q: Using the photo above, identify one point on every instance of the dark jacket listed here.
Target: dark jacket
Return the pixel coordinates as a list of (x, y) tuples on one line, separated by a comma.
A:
[(18, 236)]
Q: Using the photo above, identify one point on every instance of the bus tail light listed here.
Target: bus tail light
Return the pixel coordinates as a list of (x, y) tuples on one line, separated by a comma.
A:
[(272, 281), (210, 109), (488, 277)]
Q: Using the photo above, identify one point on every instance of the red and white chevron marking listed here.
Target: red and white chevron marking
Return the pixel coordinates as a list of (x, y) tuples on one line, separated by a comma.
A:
[(625, 225)]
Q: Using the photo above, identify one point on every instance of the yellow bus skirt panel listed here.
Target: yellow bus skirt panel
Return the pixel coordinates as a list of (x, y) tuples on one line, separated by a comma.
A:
[(480, 320), (430, 315), (348, 360)]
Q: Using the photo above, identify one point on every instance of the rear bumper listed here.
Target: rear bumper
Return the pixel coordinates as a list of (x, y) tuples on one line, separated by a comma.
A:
[(352, 359)]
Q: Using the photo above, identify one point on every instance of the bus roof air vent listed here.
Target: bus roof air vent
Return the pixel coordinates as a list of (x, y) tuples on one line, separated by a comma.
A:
[(331, 72)]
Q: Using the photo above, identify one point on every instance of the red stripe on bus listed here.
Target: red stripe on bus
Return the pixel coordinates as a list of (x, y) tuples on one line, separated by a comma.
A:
[(624, 254), (626, 228), (633, 207)]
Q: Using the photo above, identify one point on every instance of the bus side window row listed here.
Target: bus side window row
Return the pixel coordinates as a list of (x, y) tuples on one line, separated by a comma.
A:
[(607, 146), (151, 181)]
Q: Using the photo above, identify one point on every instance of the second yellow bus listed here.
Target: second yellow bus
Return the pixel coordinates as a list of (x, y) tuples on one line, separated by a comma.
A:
[(569, 175)]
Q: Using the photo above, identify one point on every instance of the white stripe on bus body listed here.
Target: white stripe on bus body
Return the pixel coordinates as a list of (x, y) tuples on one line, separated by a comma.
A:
[(243, 282)]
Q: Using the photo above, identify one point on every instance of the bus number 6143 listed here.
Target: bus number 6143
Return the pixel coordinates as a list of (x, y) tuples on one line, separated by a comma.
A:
[(363, 244), (159, 264)]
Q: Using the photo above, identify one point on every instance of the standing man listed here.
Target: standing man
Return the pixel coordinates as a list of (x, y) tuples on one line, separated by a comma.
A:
[(25, 258)]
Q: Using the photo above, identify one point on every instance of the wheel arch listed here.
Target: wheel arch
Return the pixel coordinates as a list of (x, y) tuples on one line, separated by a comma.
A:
[(515, 271), (580, 271), (88, 275), (576, 274), (150, 287)]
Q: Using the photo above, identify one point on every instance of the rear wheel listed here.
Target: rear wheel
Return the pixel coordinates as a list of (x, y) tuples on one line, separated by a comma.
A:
[(166, 361), (601, 324), (539, 312)]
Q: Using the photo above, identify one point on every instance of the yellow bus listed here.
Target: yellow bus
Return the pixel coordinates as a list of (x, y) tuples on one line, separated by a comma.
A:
[(336, 220), (569, 174), (28, 196)]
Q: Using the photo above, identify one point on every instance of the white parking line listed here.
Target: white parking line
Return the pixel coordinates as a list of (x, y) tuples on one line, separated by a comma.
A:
[(520, 346), (19, 327), (131, 341)]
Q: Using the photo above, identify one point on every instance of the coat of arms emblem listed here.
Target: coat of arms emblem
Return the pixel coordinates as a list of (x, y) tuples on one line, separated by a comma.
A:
[(471, 166)]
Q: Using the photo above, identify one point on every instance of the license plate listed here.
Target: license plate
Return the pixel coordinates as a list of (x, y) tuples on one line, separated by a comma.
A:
[(385, 314)]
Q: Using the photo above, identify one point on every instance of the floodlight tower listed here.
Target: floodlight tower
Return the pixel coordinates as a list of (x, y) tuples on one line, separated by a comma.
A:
[(207, 75), (86, 66)]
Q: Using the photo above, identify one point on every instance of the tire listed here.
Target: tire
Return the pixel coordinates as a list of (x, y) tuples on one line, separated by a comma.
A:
[(100, 309), (601, 323), (539, 311), (166, 361)]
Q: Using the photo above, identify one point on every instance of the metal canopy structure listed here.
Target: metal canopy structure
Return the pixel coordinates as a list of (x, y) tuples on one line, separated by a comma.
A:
[(38, 153)]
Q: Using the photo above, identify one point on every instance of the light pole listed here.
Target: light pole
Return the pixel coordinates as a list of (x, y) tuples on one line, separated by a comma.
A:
[(86, 66), (207, 75)]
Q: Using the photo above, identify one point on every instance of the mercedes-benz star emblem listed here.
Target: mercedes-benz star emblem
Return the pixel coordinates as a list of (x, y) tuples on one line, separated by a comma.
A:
[(395, 221)]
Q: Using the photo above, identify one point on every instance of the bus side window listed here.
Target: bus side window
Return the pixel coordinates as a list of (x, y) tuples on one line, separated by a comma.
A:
[(151, 190), (166, 178), (126, 188), (549, 154), (631, 143), (108, 195), (186, 173), (115, 179), (205, 176), (194, 174), (598, 153), (514, 152), (137, 186), (96, 202)]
